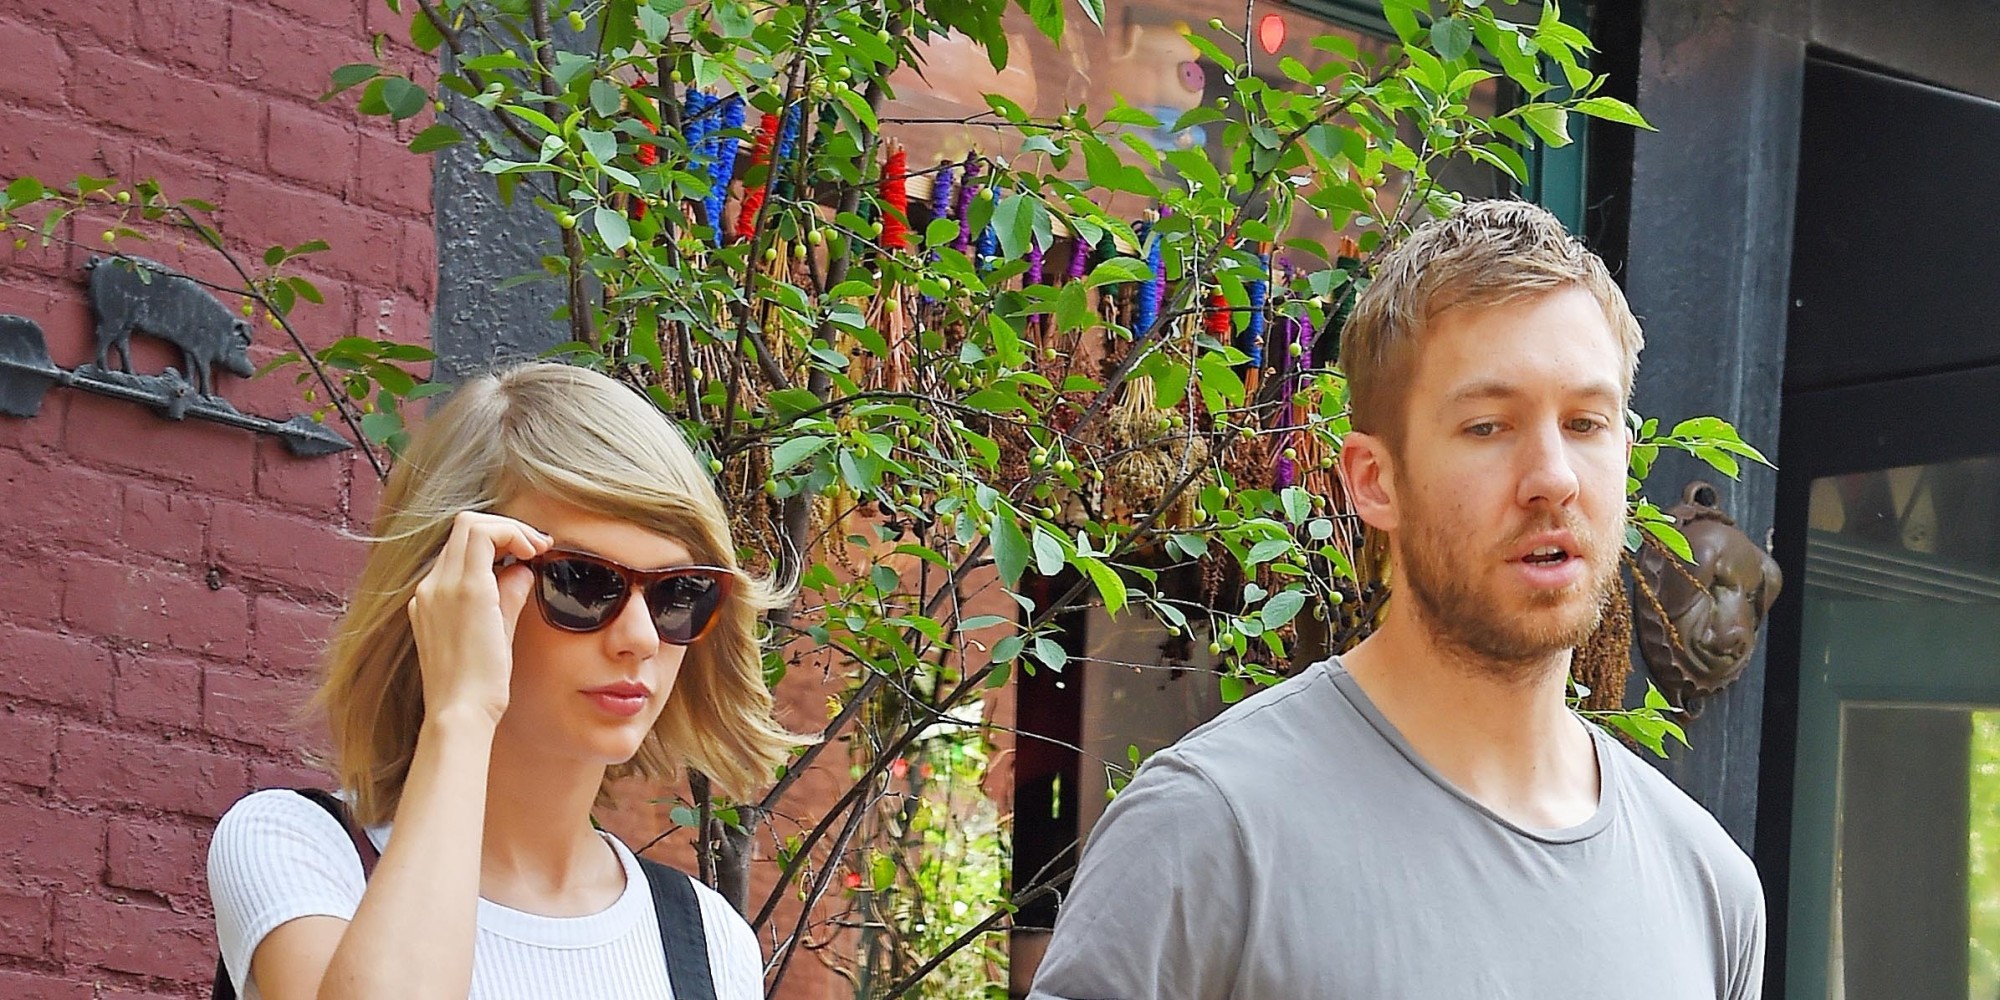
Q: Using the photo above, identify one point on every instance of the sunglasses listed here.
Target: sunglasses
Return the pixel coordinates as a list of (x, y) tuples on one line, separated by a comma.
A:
[(579, 592)]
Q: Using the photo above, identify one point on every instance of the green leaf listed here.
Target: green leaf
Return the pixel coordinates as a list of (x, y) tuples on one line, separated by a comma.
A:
[(351, 75), (1221, 387), (1014, 224), (605, 98), (403, 98), (1007, 649), (611, 228), (24, 190), (1051, 653), (436, 137), (1049, 557), (1283, 607), (1233, 689), (424, 32), (733, 19), (1118, 269), (1267, 550), (1125, 114), (1073, 307), (1671, 537), (1452, 38), (1110, 586), (381, 425), (978, 622), (1093, 9), (601, 145), (796, 450), (1010, 547), (653, 24), (1549, 122), (940, 233), (1612, 109)]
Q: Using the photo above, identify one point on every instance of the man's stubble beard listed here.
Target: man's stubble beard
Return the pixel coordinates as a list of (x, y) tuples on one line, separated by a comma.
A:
[(1443, 587)]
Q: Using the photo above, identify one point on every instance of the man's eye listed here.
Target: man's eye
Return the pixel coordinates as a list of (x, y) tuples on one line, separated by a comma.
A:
[(1586, 425), (1484, 429)]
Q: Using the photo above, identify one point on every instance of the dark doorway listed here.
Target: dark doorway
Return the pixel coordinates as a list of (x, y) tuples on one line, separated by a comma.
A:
[(1879, 825)]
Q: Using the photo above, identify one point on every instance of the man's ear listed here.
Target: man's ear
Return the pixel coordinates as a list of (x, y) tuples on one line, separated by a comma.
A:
[(1369, 470)]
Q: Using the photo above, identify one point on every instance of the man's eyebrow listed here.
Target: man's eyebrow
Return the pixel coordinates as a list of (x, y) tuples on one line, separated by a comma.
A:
[(1487, 389)]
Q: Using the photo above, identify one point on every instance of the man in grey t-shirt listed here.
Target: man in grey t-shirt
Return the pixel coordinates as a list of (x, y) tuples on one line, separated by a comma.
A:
[(1424, 818)]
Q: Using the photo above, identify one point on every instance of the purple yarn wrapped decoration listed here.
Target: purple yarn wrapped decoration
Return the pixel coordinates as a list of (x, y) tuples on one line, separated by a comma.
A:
[(941, 202), (1079, 259), (941, 190), (1034, 261), (968, 192), (1291, 330)]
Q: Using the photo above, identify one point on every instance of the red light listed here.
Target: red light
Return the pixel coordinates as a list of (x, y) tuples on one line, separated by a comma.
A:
[(1271, 32)]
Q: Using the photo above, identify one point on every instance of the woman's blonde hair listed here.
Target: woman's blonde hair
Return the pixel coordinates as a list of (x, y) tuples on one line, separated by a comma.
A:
[(577, 437)]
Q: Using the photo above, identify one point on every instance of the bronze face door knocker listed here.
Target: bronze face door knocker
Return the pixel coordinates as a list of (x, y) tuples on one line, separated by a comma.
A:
[(1698, 622)]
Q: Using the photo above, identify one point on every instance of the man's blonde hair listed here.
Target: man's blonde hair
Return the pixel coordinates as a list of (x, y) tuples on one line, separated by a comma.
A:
[(577, 437), (1485, 254)]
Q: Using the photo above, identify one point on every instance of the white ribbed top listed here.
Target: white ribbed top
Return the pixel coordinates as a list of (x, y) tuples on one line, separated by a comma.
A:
[(277, 857)]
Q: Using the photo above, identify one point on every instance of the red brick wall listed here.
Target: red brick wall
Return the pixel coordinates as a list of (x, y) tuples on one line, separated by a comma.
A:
[(168, 584)]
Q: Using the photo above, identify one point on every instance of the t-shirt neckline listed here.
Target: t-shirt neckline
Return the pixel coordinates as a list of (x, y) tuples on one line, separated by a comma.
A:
[(537, 930), (1607, 793)]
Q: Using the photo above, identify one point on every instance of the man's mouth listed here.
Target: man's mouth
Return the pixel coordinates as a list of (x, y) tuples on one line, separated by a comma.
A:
[(1547, 555)]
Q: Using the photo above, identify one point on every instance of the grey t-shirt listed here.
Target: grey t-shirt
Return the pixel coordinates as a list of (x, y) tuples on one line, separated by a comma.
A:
[(1296, 847)]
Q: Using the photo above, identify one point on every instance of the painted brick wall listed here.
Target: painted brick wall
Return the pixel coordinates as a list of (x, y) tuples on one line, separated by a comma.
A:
[(169, 584)]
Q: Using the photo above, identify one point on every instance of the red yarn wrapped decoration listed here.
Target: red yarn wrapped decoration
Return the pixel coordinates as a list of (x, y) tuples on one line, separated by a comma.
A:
[(647, 155), (753, 198), (895, 221), (1215, 322)]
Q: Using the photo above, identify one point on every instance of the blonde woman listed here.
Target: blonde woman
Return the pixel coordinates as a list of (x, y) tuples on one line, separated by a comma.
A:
[(551, 601)]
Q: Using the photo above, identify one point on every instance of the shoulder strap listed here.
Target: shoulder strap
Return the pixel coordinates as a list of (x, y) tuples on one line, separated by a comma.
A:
[(681, 933), (225, 988), (363, 847)]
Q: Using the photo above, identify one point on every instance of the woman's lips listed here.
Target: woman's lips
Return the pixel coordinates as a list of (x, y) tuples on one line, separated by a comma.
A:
[(622, 699)]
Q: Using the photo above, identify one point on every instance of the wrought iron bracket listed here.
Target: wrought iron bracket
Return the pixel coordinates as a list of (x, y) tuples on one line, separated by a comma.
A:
[(27, 373)]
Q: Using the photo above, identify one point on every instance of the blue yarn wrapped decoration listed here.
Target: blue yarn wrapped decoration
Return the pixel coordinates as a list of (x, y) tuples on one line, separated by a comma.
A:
[(699, 121), (941, 192), (988, 250), (1253, 332), (788, 143), (722, 151), (1146, 307), (1155, 292)]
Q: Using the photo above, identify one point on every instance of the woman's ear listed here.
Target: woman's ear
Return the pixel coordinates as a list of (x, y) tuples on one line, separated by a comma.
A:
[(1369, 471)]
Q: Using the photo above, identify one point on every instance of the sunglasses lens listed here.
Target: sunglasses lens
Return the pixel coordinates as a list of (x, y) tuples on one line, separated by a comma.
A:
[(579, 595), (682, 605)]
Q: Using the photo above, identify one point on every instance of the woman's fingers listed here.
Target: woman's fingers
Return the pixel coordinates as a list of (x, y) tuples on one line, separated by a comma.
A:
[(516, 583), (484, 538)]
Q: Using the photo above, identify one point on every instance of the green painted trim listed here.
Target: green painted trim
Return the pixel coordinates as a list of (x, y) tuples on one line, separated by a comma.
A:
[(1556, 176)]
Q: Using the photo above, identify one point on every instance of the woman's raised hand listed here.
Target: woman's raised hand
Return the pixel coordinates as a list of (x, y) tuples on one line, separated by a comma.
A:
[(464, 612)]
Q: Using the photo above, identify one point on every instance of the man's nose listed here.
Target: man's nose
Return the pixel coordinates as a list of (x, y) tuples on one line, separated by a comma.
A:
[(1548, 470)]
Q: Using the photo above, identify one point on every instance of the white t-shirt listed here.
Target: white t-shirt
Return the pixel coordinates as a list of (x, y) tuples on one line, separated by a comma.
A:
[(277, 856)]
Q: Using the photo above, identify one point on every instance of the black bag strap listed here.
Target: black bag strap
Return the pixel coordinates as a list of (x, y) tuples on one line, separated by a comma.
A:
[(681, 931), (225, 988)]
